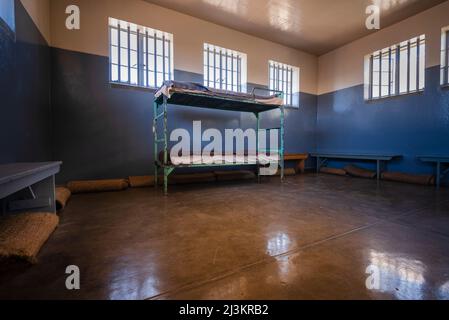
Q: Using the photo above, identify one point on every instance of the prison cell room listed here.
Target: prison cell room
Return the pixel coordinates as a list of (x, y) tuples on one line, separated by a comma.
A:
[(224, 150)]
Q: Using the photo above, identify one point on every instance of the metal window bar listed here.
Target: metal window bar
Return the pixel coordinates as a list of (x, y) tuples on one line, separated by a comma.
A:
[(163, 59), (155, 59), (282, 79), (398, 69), (221, 70), (232, 71), (408, 65), (170, 75), (380, 73), (389, 72), (129, 55), (139, 66), (446, 71), (371, 77), (208, 67), (418, 45), (227, 71), (147, 54), (215, 68), (239, 74), (110, 54), (291, 86), (119, 49)]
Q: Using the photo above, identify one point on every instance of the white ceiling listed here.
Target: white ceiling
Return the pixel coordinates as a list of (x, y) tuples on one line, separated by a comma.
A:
[(315, 26)]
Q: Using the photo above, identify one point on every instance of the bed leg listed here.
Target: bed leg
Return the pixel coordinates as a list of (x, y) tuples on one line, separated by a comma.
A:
[(156, 174), (166, 181), (438, 180), (282, 142)]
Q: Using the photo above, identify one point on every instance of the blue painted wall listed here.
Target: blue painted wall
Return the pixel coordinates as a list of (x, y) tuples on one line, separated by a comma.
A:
[(105, 131), (25, 111), (411, 125)]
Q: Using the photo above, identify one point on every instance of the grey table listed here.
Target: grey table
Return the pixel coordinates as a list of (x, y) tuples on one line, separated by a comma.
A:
[(380, 159), (28, 186), (439, 161)]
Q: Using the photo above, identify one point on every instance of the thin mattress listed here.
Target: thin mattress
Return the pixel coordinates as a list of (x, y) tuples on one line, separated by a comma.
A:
[(224, 159), (171, 87)]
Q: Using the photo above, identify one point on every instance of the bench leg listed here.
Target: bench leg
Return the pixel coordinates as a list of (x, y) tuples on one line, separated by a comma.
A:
[(378, 170), (438, 174), (300, 166), (39, 197), (318, 164)]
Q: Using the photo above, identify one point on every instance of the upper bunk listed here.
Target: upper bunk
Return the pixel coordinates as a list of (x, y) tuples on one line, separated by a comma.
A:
[(197, 95)]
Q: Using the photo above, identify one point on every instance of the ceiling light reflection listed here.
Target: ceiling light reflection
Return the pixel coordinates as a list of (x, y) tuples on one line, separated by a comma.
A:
[(386, 5), (238, 7)]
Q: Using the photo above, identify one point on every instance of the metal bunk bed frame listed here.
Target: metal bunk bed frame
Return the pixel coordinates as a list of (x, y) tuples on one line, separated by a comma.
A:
[(163, 101)]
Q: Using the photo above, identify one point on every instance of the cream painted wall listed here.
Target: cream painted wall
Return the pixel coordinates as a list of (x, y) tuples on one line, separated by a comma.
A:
[(39, 10), (189, 35), (344, 67)]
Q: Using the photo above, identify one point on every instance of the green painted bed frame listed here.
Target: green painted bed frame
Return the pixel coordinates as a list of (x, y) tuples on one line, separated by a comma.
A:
[(250, 106)]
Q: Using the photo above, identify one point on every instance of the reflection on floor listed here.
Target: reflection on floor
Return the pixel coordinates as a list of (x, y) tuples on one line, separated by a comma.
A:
[(313, 237)]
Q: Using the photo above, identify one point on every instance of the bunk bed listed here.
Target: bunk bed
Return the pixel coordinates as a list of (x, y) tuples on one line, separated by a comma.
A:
[(198, 96)]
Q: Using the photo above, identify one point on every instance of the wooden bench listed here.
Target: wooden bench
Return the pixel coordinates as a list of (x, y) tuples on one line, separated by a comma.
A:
[(300, 159), (28, 186), (381, 160), (439, 161)]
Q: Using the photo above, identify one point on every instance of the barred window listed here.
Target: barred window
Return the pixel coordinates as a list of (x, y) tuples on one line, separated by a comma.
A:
[(399, 69), (224, 69), (445, 56), (139, 56), (285, 78)]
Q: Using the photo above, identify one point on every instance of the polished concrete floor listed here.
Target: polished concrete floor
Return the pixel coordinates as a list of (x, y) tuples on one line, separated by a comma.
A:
[(313, 237)]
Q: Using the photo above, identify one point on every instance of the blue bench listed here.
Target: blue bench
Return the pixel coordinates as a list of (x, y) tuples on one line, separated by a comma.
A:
[(381, 160), (28, 186), (439, 161)]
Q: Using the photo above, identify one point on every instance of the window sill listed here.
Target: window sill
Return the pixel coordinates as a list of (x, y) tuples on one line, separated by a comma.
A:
[(373, 100), (445, 86)]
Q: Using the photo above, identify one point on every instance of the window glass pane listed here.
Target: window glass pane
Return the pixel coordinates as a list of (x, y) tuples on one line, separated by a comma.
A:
[(413, 66), (151, 45), (133, 40), (114, 72), (376, 69), (385, 76), (422, 65), (159, 46), (124, 39), (114, 37), (151, 82), (403, 69), (114, 55), (133, 55), (124, 74), (124, 57), (393, 72), (159, 79), (134, 76)]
